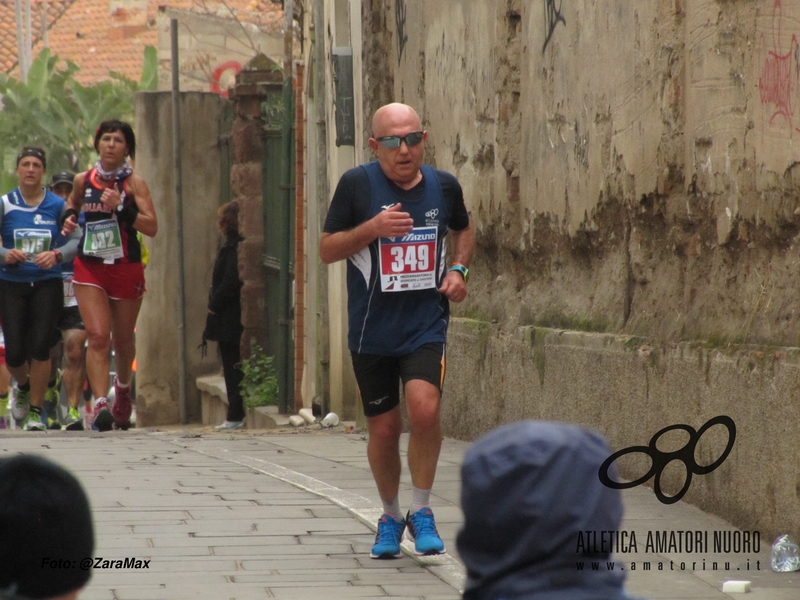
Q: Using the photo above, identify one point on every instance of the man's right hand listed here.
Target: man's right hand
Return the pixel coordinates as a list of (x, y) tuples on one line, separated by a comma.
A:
[(392, 223), (344, 244)]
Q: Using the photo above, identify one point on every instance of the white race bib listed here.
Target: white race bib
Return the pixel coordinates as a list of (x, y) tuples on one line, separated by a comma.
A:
[(69, 292), (32, 241), (103, 240), (408, 263)]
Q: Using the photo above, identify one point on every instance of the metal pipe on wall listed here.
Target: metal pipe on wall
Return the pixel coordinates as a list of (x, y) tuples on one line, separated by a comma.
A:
[(176, 155), (285, 357), (320, 105)]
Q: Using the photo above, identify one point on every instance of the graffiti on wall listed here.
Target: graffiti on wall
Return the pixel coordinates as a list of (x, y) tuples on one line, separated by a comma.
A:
[(778, 80), (552, 17), (400, 22), (223, 74)]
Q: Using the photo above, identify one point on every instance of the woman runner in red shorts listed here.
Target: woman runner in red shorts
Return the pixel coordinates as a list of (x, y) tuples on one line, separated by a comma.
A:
[(109, 276)]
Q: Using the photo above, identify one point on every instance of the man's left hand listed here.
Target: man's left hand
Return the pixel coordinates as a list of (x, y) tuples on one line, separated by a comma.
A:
[(454, 287)]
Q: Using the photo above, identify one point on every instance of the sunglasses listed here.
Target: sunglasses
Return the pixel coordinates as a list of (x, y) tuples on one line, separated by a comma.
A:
[(393, 141)]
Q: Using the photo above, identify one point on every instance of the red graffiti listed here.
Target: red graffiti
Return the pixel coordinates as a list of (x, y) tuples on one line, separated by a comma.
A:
[(777, 83), (231, 65)]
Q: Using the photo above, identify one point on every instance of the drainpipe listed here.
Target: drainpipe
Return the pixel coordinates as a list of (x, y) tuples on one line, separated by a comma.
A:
[(323, 342), (299, 254), (285, 349), (176, 158)]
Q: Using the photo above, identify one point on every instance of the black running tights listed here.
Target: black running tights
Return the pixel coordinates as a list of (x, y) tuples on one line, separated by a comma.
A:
[(29, 312)]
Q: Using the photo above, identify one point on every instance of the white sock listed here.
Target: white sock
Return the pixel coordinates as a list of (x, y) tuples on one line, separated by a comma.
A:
[(121, 385), (392, 507), (419, 499)]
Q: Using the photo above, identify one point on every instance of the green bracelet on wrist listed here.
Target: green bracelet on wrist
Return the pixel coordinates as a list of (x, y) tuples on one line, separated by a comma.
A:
[(459, 268)]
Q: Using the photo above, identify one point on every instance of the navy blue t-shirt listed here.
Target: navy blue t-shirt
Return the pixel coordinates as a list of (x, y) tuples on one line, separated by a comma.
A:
[(394, 305)]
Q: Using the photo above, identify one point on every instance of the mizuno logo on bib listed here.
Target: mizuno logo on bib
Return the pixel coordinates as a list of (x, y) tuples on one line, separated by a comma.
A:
[(408, 263), (103, 240)]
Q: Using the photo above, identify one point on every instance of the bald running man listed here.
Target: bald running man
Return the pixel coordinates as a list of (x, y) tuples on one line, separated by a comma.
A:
[(392, 220)]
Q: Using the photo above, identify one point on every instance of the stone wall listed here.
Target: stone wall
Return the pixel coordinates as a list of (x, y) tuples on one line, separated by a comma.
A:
[(248, 94), (630, 390)]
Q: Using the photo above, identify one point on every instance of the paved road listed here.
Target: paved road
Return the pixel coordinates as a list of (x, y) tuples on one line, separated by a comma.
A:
[(291, 513)]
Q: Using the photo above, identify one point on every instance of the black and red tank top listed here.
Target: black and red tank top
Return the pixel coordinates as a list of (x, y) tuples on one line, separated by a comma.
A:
[(105, 238)]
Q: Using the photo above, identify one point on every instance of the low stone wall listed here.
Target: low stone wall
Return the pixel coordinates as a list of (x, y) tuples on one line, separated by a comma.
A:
[(214, 406), (629, 390)]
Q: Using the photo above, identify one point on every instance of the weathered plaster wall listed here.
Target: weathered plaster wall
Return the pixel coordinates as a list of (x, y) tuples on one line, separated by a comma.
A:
[(158, 335), (629, 167)]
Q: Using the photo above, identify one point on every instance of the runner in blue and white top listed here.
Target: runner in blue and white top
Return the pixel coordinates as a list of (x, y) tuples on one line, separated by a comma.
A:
[(391, 219), (31, 292)]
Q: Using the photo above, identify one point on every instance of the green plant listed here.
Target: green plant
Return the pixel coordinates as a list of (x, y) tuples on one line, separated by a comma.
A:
[(54, 111), (260, 383)]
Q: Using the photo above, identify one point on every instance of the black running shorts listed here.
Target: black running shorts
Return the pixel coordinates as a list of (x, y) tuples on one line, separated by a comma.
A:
[(70, 319), (379, 377)]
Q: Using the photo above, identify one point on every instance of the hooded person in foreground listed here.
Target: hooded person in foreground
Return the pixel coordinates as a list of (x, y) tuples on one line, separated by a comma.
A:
[(528, 489), (46, 531)]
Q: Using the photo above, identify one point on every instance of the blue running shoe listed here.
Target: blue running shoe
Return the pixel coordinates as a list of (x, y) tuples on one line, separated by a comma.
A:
[(422, 531), (387, 541)]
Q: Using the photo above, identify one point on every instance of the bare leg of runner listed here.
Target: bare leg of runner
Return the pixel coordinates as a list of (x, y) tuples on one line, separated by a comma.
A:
[(95, 309), (75, 367), (123, 322), (425, 437), (74, 374), (383, 452)]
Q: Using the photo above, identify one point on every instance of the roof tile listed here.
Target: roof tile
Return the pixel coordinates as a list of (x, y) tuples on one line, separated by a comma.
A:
[(100, 42)]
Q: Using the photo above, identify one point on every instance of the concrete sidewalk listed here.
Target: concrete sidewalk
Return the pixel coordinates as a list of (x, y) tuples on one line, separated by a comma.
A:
[(291, 514)]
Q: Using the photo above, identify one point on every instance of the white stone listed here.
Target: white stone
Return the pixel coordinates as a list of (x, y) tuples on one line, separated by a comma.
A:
[(735, 587)]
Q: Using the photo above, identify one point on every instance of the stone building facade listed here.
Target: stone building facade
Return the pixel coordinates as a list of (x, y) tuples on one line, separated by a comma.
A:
[(631, 173)]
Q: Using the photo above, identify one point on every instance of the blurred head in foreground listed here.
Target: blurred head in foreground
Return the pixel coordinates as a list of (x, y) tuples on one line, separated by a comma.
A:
[(45, 530), (529, 489)]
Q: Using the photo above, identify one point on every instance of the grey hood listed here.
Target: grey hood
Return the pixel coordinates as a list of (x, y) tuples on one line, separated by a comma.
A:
[(528, 489)]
